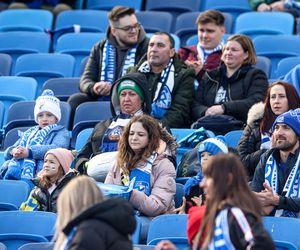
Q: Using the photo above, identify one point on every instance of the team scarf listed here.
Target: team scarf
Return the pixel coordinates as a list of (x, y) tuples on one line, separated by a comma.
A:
[(221, 239), (291, 187), (142, 175), (108, 62), (266, 140), (163, 95), (204, 53)]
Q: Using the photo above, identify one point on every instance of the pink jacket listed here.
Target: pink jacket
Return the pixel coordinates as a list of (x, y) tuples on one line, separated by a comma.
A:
[(163, 187)]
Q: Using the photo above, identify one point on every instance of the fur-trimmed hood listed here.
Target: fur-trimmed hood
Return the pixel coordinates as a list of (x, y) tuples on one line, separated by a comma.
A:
[(256, 112)]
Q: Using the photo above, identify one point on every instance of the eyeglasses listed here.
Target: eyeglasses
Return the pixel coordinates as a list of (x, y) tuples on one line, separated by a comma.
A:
[(128, 28)]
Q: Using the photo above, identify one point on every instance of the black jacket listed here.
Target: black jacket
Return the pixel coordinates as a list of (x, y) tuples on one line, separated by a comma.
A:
[(246, 87), (106, 225)]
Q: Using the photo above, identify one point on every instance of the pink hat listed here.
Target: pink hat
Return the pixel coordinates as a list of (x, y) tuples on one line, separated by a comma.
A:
[(64, 157)]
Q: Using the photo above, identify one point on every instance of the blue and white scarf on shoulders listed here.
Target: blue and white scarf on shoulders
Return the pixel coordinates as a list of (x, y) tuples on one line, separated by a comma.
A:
[(108, 62), (204, 53), (221, 239), (163, 95), (291, 187)]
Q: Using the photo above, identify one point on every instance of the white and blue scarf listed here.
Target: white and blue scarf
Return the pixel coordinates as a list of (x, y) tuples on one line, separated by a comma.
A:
[(142, 175), (266, 140), (204, 53), (291, 187), (221, 239), (108, 62), (163, 95)]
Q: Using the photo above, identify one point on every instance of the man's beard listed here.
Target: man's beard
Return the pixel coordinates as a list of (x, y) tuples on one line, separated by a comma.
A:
[(285, 145)]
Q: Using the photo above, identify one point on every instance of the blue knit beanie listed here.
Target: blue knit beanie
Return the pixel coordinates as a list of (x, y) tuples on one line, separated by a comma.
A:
[(214, 146), (290, 118)]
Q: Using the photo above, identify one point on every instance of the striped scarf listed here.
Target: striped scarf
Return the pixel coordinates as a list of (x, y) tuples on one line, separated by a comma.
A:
[(204, 53)]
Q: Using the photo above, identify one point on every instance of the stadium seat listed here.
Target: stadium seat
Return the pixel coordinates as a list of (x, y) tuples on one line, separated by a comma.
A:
[(12, 136), (78, 45), (21, 227), (178, 195), (87, 115), (277, 47), (168, 227), (2, 246), (14, 89), (62, 87), (44, 66), (38, 246), (233, 137), (285, 65), (36, 20), (82, 138), (5, 64), (2, 111), (264, 63), (154, 21), (109, 4), (137, 233), (264, 23), (12, 194), (18, 43)]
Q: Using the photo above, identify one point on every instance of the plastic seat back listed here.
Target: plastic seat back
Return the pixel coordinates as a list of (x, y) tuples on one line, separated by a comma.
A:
[(264, 63), (109, 4), (5, 64), (285, 65), (233, 137), (82, 138), (38, 246), (154, 21)]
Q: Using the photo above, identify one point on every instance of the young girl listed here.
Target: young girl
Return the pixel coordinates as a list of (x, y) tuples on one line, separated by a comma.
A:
[(25, 158), (52, 179), (146, 152)]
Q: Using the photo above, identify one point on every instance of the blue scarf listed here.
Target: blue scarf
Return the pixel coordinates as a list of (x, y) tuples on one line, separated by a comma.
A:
[(163, 95), (204, 53), (291, 187)]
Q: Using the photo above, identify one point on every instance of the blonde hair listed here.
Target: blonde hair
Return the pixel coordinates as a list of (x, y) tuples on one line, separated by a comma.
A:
[(78, 195)]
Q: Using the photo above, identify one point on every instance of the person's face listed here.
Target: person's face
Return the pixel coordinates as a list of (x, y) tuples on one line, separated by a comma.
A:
[(207, 184), (284, 138), (210, 35), (234, 55), (51, 166), (159, 51), (130, 101), (205, 156), (126, 31), (46, 118), (278, 100), (138, 137)]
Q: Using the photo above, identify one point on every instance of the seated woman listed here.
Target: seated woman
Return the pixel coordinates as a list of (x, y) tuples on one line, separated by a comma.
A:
[(85, 220), (235, 86), (256, 138), (146, 152), (128, 98), (55, 175)]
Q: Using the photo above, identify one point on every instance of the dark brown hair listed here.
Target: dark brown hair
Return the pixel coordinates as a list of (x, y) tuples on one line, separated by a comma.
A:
[(293, 103), (211, 16), (118, 12)]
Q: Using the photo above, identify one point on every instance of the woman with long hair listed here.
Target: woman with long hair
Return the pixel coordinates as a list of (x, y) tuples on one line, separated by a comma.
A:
[(256, 138), (146, 153), (86, 221)]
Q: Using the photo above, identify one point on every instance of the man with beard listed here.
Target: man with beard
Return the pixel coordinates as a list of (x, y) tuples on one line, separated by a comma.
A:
[(124, 45), (277, 175)]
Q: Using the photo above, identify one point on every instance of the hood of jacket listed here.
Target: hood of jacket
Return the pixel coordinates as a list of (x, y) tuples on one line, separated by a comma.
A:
[(141, 80), (256, 112), (116, 212)]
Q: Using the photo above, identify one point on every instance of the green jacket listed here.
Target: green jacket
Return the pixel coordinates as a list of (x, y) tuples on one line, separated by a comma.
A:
[(179, 114), (255, 3)]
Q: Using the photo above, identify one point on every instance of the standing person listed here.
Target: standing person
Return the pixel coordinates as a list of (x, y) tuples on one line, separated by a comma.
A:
[(85, 220), (169, 81), (206, 55), (235, 86), (276, 178), (256, 138), (52, 179), (24, 159), (124, 46), (146, 152)]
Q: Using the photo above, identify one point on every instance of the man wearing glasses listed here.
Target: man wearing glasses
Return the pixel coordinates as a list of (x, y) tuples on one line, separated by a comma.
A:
[(125, 44)]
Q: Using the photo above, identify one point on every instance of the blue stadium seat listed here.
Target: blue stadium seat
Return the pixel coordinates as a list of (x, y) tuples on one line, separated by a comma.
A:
[(264, 63), (12, 136), (44, 66), (264, 23), (168, 227), (277, 47), (62, 87), (233, 138), (285, 65), (154, 21), (109, 4), (18, 43), (14, 89), (82, 138), (137, 233), (2, 112), (21, 227), (78, 45), (26, 20), (12, 194), (5, 64), (178, 195), (87, 115), (38, 246), (2, 246)]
